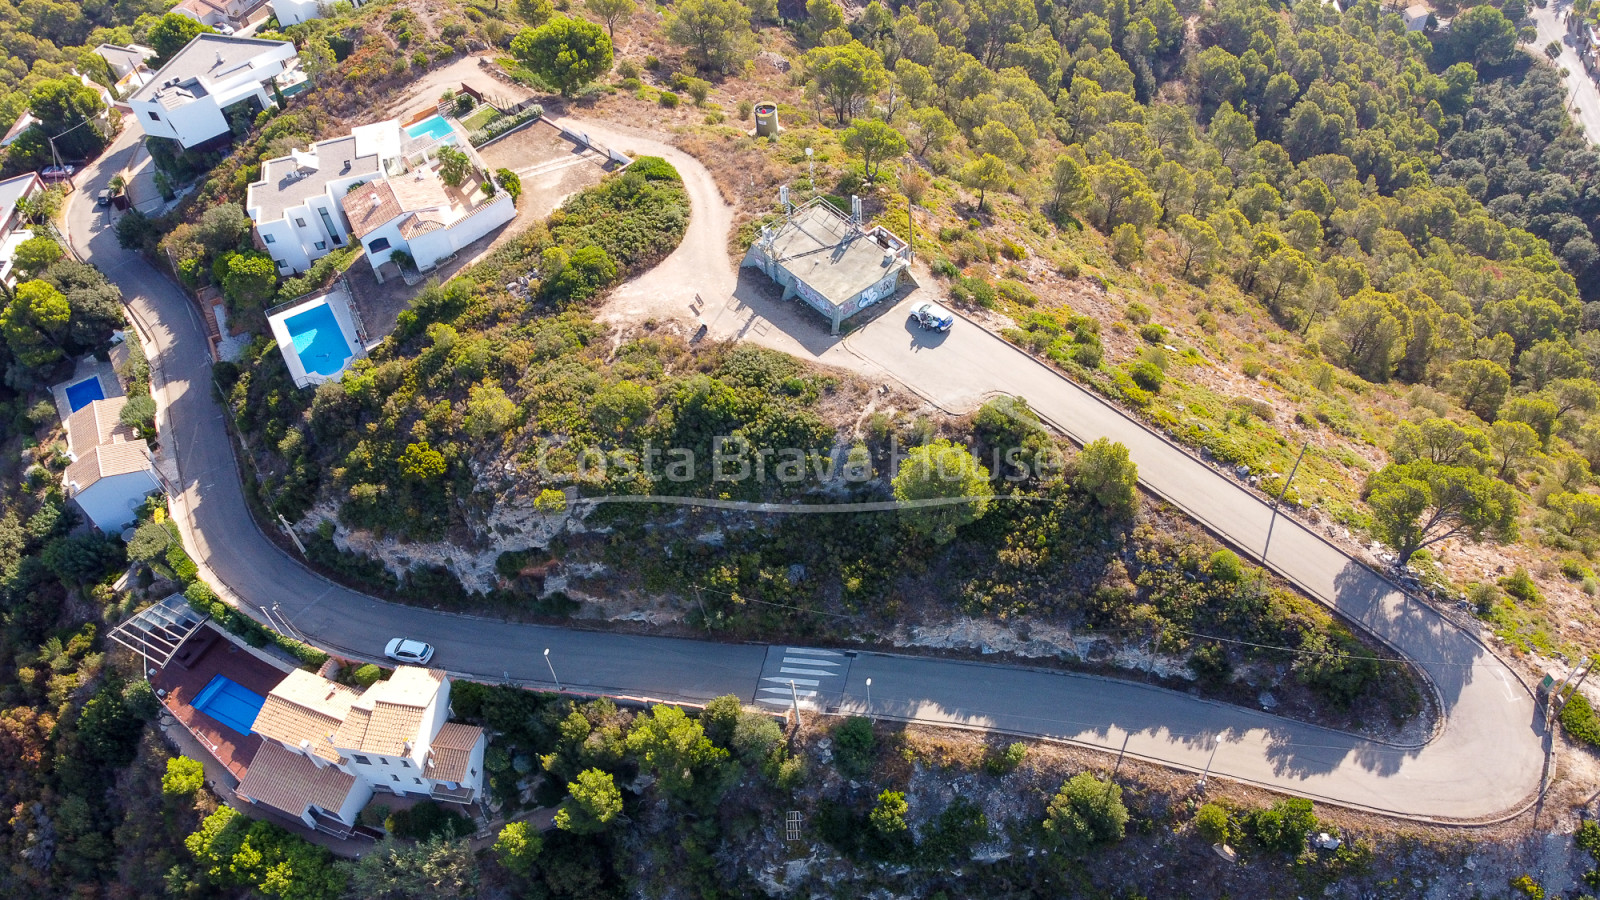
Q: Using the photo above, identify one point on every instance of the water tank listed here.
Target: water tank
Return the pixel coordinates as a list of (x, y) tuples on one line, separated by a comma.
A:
[(766, 120)]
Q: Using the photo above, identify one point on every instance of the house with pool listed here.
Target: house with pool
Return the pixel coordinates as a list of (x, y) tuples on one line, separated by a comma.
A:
[(318, 335), (303, 747), (112, 470), (328, 749)]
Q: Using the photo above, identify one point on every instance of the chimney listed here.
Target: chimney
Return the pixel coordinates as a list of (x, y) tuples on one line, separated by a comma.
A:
[(375, 201), (219, 59)]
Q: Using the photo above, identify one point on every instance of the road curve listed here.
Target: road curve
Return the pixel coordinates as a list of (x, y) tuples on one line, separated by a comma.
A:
[(1485, 762)]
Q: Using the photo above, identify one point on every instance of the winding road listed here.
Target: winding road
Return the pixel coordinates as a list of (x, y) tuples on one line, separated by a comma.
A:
[(1484, 762)]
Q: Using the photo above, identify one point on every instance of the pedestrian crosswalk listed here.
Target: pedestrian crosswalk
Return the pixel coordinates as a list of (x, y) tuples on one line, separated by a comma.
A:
[(812, 678)]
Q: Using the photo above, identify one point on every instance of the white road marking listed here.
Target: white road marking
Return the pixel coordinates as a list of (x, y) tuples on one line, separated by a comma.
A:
[(787, 671)]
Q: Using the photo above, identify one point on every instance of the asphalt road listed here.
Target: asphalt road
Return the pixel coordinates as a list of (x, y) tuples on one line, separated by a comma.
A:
[(1485, 762), (1583, 97)]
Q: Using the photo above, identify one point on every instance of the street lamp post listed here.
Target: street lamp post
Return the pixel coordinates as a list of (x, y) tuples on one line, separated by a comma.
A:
[(552, 668), (869, 695), (811, 172)]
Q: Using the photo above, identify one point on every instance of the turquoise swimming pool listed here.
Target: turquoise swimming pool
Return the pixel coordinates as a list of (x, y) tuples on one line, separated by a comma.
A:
[(230, 703), (84, 393), (435, 127), (318, 341)]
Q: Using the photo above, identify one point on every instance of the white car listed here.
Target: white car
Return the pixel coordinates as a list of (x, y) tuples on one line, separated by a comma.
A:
[(223, 29), (932, 316), (409, 651)]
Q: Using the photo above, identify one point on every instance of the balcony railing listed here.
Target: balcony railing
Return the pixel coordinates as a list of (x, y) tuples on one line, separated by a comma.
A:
[(451, 795)]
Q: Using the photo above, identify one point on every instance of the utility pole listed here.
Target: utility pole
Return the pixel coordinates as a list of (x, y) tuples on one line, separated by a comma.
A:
[(552, 668), (1283, 492), (795, 694)]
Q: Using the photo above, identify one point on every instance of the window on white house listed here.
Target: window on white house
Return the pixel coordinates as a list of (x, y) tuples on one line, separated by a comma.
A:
[(154, 117), (363, 760), (395, 777), (322, 245), (474, 771), (378, 245), (417, 780), (269, 239), (299, 222)]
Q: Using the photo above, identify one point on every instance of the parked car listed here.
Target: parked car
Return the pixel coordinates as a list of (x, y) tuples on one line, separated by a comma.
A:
[(102, 199), (409, 651), (932, 316), (223, 29)]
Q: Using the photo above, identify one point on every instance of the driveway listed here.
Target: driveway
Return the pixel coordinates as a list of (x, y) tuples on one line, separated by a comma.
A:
[(1485, 762)]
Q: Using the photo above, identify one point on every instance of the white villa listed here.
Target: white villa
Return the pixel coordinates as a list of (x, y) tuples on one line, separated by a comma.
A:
[(111, 471), (231, 13), (189, 98), (293, 12), (328, 748), (380, 186)]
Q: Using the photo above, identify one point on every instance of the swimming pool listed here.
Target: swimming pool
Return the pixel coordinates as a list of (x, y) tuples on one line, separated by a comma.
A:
[(318, 341), (230, 703), (84, 393), (433, 127)]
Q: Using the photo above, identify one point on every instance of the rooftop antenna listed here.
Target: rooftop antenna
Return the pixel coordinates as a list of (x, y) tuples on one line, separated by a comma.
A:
[(855, 210), (783, 198)]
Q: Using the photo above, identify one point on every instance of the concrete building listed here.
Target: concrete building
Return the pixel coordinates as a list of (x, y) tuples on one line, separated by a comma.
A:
[(190, 98), (296, 205), (1416, 16), (328, 749), (293, 12), (829, 260), (111, 471)]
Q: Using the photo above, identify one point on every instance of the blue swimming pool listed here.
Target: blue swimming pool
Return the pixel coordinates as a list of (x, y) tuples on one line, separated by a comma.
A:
[(318, 341), (433, 127), (84, 393), (230, 703)]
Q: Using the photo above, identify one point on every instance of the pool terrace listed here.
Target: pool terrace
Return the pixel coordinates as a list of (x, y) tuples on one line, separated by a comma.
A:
[(194, 668), (318, 335)]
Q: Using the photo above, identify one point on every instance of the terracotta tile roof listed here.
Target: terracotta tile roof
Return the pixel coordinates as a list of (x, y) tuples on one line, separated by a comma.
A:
[(106, 461), (304, 707), (389, 714), (370, 207), (96, 424), (290, 782), (452, 750)]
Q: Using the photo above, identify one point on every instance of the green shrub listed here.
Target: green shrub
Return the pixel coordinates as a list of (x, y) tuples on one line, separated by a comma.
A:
[(1001, 762), (1085, 812), (1519, 584), (367, 675), (1213, 824), (853, 746), (1284, 826), (1579, 721), (1137, 313), (1153, 333), (1147, 375), (669, 99)]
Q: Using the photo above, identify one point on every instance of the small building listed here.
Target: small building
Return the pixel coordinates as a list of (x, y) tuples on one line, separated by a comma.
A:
[(13, 224), (829, 260), (190, 98), (293, 12), (1416, 16), (328, 749), (112, 471)]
